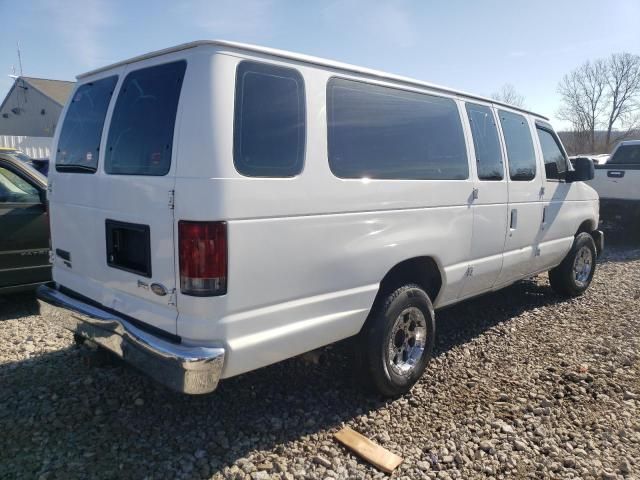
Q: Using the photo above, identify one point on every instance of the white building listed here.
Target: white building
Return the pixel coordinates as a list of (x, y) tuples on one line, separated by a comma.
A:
[(29, 114)]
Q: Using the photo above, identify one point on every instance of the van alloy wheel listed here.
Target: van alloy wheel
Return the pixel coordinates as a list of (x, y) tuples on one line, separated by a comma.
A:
[(407, 341), (582, 266), (573, 276), (396, 342)]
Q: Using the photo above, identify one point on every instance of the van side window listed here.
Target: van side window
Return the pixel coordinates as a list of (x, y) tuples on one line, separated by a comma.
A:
[(79, 142), (140, 137), (555, 163), (486, 142), (387, 133), (520, 153), (269, 124)]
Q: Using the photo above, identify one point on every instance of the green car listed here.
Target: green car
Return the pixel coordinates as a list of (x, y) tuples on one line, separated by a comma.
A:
[(24, 226)]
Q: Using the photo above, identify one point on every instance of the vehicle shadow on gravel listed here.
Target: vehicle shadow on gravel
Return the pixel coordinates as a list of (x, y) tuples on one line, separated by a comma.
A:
[(52, 404), (621, 244), (18, 305), (461, 323)]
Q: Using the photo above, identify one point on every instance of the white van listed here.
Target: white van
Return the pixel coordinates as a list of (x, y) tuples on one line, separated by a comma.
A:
[(218, 207)]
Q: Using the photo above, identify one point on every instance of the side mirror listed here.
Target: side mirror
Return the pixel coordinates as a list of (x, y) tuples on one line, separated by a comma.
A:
[(583, 170), (43, 196), (551, 170)]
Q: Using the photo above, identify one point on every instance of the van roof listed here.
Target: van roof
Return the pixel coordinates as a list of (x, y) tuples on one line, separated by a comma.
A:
[(305, 59)]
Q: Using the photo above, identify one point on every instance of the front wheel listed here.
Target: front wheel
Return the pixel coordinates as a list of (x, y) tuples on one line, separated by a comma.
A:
[(397, 341), (573, 276)]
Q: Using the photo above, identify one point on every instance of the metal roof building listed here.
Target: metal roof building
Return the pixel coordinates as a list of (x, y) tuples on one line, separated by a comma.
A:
[(32, 106)]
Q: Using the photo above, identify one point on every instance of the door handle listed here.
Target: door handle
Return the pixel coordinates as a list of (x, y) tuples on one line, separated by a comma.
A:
[(514, 219)]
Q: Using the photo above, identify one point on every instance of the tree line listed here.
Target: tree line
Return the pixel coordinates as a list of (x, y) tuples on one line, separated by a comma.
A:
[(600, 100)]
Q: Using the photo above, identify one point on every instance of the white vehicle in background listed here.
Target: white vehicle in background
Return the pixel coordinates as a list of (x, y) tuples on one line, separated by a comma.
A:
[(218, 207), (618, 183)]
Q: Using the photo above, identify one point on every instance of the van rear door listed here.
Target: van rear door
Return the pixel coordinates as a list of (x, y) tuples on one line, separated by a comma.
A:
[(111, 198)]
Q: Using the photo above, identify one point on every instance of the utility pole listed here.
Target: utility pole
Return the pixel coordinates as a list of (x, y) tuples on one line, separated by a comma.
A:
[(19, 57)]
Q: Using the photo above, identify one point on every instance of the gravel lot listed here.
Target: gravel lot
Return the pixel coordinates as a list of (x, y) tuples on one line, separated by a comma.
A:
[(524, 385)]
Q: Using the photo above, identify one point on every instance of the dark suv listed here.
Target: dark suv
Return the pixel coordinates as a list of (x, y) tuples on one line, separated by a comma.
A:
[(24, 226)]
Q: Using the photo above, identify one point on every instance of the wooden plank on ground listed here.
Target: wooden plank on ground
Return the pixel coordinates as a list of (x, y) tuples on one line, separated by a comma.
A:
[(373, 453)]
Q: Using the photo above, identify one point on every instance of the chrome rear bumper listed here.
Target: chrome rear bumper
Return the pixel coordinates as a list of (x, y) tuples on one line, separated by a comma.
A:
[(187, 369)]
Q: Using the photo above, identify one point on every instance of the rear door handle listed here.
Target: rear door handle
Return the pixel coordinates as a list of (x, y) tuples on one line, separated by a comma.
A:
[(615, 173), (514, 219)]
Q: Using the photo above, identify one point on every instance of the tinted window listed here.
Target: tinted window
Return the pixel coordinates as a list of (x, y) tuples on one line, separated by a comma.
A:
[(555, 163), (486, 142), (520, 153), (15, 189), (626, 155), (79, 142), (269, 130), (141, 132), (380, 132)]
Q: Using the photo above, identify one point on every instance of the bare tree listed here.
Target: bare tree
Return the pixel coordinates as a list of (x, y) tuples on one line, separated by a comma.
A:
[(583, 94), (602, 95), (624, 90), (508, 94)]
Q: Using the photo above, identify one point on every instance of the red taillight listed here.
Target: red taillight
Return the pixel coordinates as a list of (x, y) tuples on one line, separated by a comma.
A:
[(203, 258)]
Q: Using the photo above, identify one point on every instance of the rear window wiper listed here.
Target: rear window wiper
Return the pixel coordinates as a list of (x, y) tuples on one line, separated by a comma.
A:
[(75, 168)]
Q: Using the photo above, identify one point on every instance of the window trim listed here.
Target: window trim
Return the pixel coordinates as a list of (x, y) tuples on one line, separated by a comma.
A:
[(105, 128), (498, 136), (402, 89), (177, 118), (236, 138), (547, 128)]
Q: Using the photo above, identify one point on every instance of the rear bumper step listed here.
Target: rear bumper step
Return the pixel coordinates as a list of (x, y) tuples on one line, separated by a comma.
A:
[(186, 369)]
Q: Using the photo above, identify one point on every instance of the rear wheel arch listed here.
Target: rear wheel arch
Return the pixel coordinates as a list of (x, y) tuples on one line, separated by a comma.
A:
[(586, 226), (422, 271)]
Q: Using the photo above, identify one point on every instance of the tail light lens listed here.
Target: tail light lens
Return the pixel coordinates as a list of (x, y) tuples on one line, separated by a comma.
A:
[(203, 258)]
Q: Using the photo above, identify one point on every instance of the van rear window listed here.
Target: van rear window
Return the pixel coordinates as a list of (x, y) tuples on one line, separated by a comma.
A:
[(79, 142), (141, 133)]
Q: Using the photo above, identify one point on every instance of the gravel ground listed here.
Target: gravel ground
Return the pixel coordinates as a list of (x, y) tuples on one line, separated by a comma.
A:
[(524, 385)]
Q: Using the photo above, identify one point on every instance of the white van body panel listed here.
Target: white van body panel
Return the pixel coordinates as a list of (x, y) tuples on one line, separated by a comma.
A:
[(306, 254), (490, 212)]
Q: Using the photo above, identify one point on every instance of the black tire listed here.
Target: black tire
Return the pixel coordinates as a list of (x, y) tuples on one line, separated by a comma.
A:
[(373, 358), (563, 278)]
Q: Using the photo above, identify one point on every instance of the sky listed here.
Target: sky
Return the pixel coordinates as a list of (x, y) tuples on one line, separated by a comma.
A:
[(475, 46)]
